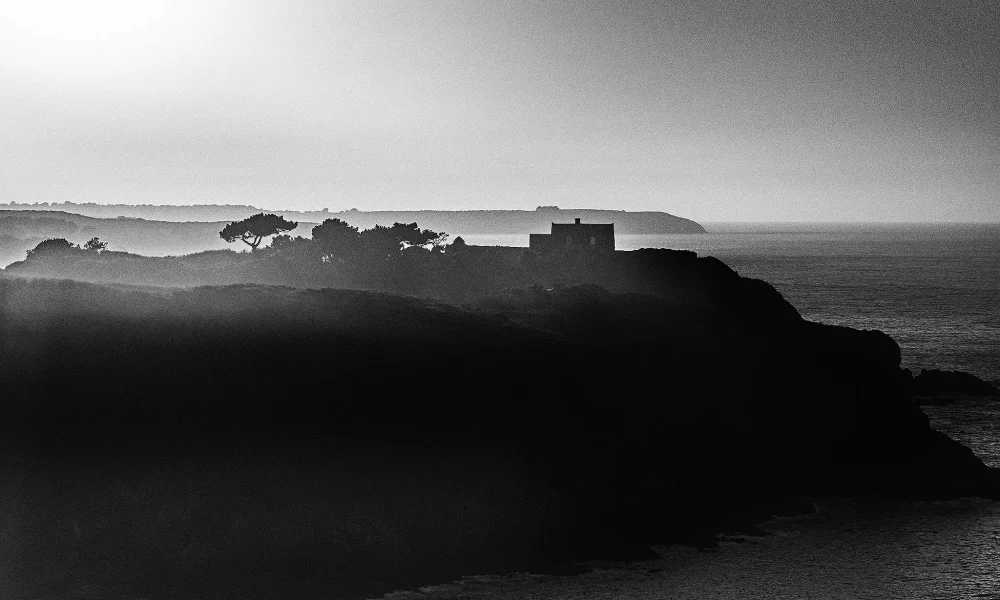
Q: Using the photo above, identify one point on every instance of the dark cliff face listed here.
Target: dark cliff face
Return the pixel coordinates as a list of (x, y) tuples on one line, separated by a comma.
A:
[(694, 353), (456, 277), (621, 418)]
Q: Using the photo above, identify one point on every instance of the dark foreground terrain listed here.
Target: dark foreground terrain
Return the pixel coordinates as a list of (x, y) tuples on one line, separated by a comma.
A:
[(252, 441)]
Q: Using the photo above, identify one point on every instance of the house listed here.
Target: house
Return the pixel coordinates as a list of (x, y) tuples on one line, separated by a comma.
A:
[(577, 235)]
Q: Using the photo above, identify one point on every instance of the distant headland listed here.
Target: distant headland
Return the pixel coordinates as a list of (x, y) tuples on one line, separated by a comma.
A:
[(455, 222)]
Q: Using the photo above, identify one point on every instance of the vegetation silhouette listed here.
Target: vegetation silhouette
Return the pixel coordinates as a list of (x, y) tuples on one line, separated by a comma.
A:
[(255, 228), (52, 247), (173, 230), (404, 258), (336, 239), (95, 245)]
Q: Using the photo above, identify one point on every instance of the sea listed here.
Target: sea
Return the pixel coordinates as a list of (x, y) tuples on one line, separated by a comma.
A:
[(935, 288)]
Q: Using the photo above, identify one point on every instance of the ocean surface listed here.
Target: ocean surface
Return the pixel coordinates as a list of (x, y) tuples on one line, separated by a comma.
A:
[(936, 290)]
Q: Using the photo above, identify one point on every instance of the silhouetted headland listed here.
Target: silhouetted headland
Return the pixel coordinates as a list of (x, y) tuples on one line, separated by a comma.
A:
[(401, 258), (261, 440)]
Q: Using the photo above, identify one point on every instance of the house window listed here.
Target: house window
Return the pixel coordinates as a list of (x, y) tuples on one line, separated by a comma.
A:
[(593, 241), (569, 240)]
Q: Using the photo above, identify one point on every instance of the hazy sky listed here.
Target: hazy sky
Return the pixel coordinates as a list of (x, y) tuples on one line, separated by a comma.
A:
[(785, 110)]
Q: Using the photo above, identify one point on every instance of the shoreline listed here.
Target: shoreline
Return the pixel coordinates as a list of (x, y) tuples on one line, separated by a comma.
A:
[(805, 556)]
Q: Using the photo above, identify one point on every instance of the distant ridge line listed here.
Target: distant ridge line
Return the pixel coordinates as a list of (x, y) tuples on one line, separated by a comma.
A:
[(457, 222)]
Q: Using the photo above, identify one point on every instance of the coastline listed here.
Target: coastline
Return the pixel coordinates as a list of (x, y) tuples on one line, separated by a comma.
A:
[(853, 547), (724, 441)]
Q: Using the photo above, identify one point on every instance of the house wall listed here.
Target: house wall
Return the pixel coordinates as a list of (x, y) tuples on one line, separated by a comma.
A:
[(597, 236), (539, 242)]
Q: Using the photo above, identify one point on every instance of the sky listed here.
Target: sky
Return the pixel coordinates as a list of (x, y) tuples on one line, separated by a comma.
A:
[(791, 110)]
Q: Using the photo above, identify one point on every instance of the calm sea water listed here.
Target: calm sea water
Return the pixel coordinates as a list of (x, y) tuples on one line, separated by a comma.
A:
[(935, 290)]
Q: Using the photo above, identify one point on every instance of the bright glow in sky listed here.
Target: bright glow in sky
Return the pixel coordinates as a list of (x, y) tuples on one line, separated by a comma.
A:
[(91, 39), (60, 29), (781, 110)]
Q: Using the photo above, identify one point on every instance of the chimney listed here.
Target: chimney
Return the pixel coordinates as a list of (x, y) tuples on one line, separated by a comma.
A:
[(578, 221)]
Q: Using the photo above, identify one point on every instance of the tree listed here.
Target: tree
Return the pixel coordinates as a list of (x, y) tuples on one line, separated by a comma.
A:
[(254, 229), (380, 242), (411, 235), (286, 242), (52, 246), (95, 245), (385, 241), (337, 238)]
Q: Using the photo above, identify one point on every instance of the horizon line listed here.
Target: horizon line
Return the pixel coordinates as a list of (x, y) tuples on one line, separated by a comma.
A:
[(12, 206)]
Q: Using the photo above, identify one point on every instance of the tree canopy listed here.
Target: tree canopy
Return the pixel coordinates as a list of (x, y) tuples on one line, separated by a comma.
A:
[(412, 235), (254, 229), (343, 240), (52, 246), (337, 238), (95, 245), (385, 241)]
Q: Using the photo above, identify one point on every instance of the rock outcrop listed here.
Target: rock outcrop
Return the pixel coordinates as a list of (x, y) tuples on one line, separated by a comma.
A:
[(934, 382)]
